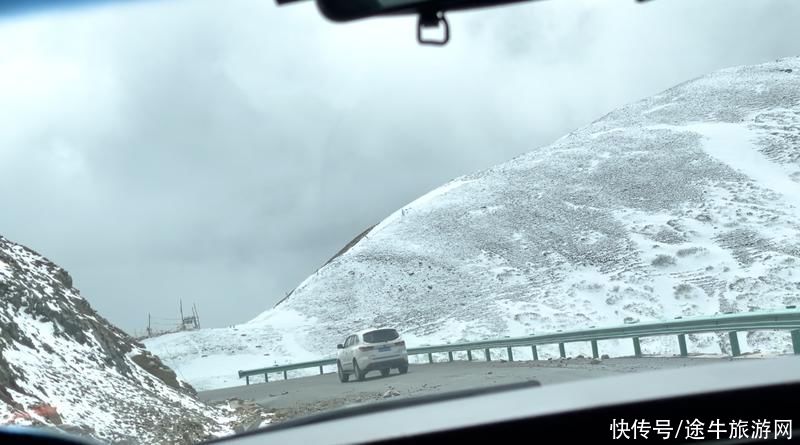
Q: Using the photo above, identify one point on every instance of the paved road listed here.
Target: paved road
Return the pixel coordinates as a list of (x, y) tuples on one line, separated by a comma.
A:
[(306, 395)]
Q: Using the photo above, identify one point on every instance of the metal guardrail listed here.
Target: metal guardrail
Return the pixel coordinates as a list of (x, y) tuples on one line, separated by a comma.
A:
[(732, 323)]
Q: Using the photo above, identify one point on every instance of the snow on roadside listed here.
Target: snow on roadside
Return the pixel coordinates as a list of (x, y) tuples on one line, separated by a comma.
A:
[(211, 358)]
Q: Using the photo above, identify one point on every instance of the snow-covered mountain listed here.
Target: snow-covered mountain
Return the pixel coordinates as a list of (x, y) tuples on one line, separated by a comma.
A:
[(685, 203), (64, 366)]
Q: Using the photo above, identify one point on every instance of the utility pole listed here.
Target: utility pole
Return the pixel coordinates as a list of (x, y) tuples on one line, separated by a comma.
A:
[(181, 306), (196, 318), (149, 330)]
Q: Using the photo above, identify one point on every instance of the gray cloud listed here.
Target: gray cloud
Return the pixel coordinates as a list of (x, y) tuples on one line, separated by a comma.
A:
[(221, 153)]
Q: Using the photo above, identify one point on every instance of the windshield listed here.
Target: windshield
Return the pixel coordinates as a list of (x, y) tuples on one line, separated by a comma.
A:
[(217, 216)]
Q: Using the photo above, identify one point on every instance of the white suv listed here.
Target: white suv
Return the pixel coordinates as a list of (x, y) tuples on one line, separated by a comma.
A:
[(371, 350)]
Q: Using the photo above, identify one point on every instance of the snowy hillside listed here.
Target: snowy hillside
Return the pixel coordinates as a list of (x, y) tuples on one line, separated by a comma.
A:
[(64, 366), (684, 203)]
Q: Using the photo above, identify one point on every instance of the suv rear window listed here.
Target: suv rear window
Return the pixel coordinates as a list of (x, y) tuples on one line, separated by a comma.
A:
[(380, 336)]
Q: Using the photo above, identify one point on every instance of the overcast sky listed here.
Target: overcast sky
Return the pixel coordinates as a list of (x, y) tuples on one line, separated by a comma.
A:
[(221, 151)]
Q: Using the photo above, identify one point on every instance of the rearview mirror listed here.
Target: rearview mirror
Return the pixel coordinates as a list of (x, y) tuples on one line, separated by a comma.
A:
[(340, 346), (347, 10), (430, 12)]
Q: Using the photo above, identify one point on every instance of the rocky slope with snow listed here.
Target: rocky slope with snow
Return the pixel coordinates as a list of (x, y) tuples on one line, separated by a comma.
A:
[(63, 366), (685, 203)]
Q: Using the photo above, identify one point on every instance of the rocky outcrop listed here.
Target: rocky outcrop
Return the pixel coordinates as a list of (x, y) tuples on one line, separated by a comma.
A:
[(64, 366)]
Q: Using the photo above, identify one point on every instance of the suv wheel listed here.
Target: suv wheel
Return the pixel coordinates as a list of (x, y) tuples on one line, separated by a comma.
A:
[(343, 377), (357, 371), (385, 372), (403, 369)]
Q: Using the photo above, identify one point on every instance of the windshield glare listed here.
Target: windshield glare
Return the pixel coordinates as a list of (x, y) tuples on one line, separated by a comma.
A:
[(216, 216)]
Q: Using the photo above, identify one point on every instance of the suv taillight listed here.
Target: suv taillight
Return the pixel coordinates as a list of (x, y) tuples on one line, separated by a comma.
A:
[(400, 343), (366, 348)]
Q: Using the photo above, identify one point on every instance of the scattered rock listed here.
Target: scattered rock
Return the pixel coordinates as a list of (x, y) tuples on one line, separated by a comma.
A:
[(63, 277), (663, 261), (234, 403), (249, 415), (153, 365), (605, 357), (490, 372), (703, 217), (47, 411), (391, 393)]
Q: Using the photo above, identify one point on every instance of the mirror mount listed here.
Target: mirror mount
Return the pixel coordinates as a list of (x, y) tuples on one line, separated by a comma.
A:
[(432, 19)]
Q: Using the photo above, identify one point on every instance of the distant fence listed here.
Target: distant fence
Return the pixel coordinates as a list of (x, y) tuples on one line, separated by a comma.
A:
[(681, 327)]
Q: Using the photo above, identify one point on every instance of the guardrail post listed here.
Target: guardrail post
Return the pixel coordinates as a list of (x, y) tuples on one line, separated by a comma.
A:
[(247, 379), (488, 356), (320, 369), (266, 377), (682, 344), (284, 376), (450, 355), (430, 358), (595, 354), (637, 348), (734, 343), (469, 355), (561, 350), (796, 341), (535, 353), (510, 354)]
